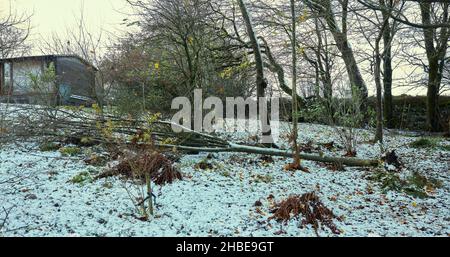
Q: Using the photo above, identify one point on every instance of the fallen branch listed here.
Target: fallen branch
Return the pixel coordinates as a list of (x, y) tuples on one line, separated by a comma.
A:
[(84, 124)]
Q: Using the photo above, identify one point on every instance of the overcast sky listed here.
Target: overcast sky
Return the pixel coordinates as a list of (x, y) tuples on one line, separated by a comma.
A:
[(56, 16)]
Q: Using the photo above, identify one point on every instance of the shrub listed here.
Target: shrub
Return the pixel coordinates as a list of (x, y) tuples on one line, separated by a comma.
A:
[(126, 103), (347, 117), (316, 111), (45, 86), (389, 181)]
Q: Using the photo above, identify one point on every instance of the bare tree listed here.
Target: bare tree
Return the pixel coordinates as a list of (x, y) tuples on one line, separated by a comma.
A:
[(446, 76), (266, 19), (435, 30), (324, 8), (377, 28), (14, 31), (179, 27), (377, 71)]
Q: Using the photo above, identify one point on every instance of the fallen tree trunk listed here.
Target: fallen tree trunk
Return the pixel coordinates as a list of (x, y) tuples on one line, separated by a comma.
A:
[(236, 148)]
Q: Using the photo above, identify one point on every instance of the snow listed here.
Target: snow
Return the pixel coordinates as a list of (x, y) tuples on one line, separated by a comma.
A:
[(35, 187)]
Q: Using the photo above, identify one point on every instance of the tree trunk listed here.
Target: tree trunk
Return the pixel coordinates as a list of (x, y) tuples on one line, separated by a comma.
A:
[(325, 71), (235, 148), (433, 117), (355, 77), (388, 98), (388, 73), (379, 104), (261, 82), (295, 109), (435, 54)]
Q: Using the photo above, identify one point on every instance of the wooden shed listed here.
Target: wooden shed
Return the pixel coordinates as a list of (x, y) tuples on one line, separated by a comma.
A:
[(75, 79)]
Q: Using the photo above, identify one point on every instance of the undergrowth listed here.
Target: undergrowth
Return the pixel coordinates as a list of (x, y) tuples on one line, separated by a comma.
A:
[(429, 143), (416, 184)]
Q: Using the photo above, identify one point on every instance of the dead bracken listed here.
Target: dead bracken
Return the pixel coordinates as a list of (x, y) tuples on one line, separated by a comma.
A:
[(310, 207), (157, 165)]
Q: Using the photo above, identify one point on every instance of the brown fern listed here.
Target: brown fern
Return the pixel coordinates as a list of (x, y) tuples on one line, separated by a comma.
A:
[(158, 166), (310, 207)]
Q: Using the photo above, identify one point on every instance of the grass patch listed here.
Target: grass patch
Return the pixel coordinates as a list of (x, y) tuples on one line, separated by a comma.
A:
[(445, 148), (416, 185), (82, 178), (225, 174), (429, 143), (264, 179), (49, 147), (87, 141), (425, 143), (70, 151), (108, 185)]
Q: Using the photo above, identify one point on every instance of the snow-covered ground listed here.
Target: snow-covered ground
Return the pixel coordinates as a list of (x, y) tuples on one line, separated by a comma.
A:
[(36, 194)]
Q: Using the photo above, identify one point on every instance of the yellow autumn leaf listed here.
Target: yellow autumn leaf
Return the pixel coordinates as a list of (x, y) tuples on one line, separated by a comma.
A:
[(303, 17), (157, 66)]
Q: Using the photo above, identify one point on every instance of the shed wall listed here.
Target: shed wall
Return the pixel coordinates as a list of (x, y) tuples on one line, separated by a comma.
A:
[(76, 75), (75, 80), (22, 70)]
